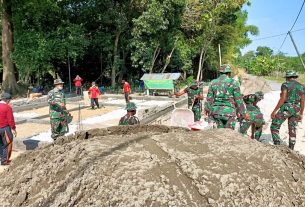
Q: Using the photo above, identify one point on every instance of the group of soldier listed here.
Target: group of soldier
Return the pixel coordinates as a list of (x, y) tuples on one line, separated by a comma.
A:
[(60, 117), (225, 105)]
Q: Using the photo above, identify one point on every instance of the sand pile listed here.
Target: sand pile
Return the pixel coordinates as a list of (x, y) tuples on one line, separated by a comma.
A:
[(155, 166), (251, 84)]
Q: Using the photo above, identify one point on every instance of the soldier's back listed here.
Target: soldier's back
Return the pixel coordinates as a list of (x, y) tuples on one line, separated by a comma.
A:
[(295, 90), (224, 88)]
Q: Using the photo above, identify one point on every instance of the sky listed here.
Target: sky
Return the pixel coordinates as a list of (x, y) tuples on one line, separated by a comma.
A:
[(274, 17)]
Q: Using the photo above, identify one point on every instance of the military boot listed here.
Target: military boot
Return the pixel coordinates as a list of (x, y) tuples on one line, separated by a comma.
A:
[(291, 146), (276, 142)]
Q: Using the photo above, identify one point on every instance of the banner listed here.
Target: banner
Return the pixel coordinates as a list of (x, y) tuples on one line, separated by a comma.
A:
[(159, 84)]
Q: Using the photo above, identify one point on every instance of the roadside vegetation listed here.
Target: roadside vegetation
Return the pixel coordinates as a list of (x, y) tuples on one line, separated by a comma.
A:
[(110, 40)]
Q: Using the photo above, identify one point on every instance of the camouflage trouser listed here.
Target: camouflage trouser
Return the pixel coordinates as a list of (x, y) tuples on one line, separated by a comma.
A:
[(285, 112), (228, 122), (256, 120), (59, 127), (258, 128), (197, 113)]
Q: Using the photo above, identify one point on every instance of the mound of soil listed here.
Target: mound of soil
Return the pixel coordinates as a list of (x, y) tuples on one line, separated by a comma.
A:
[(252, 84), (155, 166)]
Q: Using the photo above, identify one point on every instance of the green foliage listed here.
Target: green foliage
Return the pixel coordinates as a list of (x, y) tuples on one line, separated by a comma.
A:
[(117, 39), (264, 62)]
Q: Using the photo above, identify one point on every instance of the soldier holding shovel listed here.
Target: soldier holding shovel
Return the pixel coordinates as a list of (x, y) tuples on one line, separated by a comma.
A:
[(195, 96), (59, 116)]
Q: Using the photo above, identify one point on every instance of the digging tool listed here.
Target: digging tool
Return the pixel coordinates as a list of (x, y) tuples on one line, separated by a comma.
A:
[(79, 124), (181, 117)]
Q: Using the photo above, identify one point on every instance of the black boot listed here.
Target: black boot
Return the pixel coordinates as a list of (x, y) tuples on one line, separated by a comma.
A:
[(291, 146), (276, 142)]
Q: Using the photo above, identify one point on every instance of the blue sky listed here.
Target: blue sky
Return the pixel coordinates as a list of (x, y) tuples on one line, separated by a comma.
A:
[(274, 17)]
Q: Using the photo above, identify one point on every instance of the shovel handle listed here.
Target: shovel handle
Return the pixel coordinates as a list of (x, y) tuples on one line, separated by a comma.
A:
[(193, 102), (174, 101)]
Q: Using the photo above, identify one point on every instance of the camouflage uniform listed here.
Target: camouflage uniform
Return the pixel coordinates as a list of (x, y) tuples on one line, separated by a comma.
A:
[(129, 119), (224, 100), (58, 114), (256, 116), (289, 110), (197, 106)]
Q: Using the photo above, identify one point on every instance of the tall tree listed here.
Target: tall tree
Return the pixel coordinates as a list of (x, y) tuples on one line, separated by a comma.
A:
[(9, 83)]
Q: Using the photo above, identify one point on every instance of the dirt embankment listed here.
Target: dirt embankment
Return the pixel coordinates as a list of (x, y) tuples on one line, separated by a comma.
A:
[(155, 166), (252, 84)]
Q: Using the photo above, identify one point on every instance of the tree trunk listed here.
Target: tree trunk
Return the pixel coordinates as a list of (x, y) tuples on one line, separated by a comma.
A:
[(123, 69), (184, 75), (9, 83), (156, 54), (168, 59), (115, 58), (101, 59), (200, 64)]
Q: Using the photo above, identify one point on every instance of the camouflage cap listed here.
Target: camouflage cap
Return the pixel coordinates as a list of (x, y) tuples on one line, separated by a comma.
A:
[(131, 106), (225, 68), (58, 81), (5, 96), (259, 95), (291, 73)]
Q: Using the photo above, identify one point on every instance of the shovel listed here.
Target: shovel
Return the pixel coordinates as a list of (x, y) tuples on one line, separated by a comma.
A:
[(181, 117)]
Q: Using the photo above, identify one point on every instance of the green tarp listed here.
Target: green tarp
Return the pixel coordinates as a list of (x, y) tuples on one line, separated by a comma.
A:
[(159, 84)]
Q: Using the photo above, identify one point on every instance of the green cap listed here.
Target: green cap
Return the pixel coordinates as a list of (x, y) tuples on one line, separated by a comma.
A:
[(131, 106), (225, 68), (58, 81), (259, 95), (291, 73)]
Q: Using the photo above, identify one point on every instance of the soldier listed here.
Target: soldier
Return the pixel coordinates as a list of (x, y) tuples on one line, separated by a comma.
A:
[(195, 96), (224, 100), (57, 110), (130, 118), (290, 106), (256, 118)]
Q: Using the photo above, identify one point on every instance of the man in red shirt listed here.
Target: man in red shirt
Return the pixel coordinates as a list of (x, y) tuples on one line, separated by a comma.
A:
[(7, 128), (94, 93), (126, 90), (78, 85)]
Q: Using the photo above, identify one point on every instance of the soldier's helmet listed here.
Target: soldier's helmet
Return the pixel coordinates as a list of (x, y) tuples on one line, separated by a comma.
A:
[(58, 82), (5, 96), (225, 68), (259, 95), (291, 73), (131, 106)]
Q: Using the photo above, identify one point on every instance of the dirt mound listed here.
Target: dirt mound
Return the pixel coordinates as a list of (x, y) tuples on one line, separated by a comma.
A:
[(155, 166), (251, 84)]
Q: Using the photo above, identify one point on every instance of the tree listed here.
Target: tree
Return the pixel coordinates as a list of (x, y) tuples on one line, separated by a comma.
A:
[(111, 39), (263, 51), (9, 79)]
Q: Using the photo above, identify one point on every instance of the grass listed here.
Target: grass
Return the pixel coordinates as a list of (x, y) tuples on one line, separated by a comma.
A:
[(279, 79)]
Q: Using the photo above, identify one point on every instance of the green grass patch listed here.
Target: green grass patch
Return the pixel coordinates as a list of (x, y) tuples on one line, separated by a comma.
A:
[(279, 79)]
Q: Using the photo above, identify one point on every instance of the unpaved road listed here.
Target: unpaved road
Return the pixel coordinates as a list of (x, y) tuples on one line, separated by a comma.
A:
[(155, 166)]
